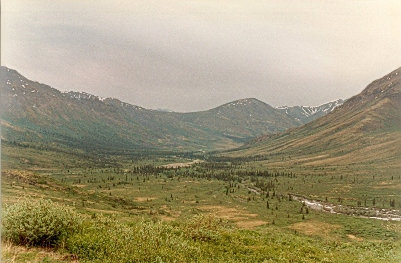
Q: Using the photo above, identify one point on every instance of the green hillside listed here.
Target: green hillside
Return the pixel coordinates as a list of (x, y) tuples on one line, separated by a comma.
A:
[(241, 120), (37, 114), (365, 129)]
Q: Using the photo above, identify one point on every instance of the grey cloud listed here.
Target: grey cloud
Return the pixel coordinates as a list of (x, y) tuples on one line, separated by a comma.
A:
[(194, 55)]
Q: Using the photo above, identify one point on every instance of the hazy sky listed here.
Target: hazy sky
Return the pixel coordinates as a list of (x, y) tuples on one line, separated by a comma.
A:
[(188, 55)]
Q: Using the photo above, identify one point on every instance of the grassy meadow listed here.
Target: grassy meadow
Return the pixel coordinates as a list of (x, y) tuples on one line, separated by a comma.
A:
[(140, 210)]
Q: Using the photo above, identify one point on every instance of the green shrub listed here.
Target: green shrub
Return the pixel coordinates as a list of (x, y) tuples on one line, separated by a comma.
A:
[(107, 240), (204, 228), (39, 223)]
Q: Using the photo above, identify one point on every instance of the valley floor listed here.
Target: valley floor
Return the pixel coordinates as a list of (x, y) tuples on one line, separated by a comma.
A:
[(250, 203)]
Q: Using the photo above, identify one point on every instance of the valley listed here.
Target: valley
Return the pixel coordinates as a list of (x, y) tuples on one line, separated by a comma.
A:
[(245, 200), (200, 131), (327, 190), (39, 115)]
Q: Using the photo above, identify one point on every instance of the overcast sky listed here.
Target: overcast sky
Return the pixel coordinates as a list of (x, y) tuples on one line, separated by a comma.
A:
[(188, 55)]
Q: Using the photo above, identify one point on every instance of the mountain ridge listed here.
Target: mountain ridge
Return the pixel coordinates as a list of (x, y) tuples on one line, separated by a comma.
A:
[(366, 128), (306, 114), (37, 113)]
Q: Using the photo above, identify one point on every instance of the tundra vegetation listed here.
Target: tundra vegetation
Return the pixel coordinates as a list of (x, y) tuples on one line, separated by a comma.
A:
[(142, 210), (76, 189)]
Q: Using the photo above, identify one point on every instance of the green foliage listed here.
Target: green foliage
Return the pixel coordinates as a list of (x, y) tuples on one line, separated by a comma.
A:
[(107, 240), (206, 239), (39, 223), (130, 190), (204, 228), (202, 238)]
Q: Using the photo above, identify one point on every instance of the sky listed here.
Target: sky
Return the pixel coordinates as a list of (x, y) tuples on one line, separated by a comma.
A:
[(197, 54)]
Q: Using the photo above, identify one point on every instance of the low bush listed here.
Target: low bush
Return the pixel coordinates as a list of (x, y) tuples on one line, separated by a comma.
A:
[(107, 240), (202, 238), (39, 223), (205, 228)]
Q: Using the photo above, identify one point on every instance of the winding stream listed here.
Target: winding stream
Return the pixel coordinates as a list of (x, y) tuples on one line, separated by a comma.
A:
[(364, 212)]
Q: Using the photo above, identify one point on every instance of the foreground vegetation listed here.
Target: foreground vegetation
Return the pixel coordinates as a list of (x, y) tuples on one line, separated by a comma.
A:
[(123, 209), (202, 238)]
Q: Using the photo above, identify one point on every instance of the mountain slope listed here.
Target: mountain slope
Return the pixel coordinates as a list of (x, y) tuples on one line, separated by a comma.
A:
[(365, 129), (242, 119), (305, 114), (36, 114)]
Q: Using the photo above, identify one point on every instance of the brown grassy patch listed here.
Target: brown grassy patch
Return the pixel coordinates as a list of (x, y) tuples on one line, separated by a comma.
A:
[(20, 175), (79, 185), (168, 214), (352, 237), (167, 218), (144, 198), (387, 185), (314, 228), (13, 254), (178, 165), (240, 217), (250, 223)]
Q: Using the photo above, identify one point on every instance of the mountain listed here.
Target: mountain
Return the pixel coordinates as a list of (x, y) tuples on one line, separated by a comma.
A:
[(37, 114), (365, 129), (305, 114), (242, 119), (34, 113)]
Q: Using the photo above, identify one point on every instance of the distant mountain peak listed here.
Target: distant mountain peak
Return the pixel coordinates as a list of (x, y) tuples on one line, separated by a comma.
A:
[(364, 129), (244, 101), (388, 83), (82, 96), (34, 111), (388, 86), (305, 114)]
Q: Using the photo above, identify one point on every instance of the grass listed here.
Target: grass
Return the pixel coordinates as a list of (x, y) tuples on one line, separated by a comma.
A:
[(236, 206), (203, 238), (21, 254), (140, 196)]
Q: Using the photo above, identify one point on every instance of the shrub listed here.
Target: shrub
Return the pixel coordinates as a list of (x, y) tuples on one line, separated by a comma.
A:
[(204, 228), (108, 240), (39, 223)]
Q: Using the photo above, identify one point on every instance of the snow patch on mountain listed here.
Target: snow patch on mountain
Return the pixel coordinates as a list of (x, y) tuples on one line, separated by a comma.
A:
[(91, 97), (305, 114)]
